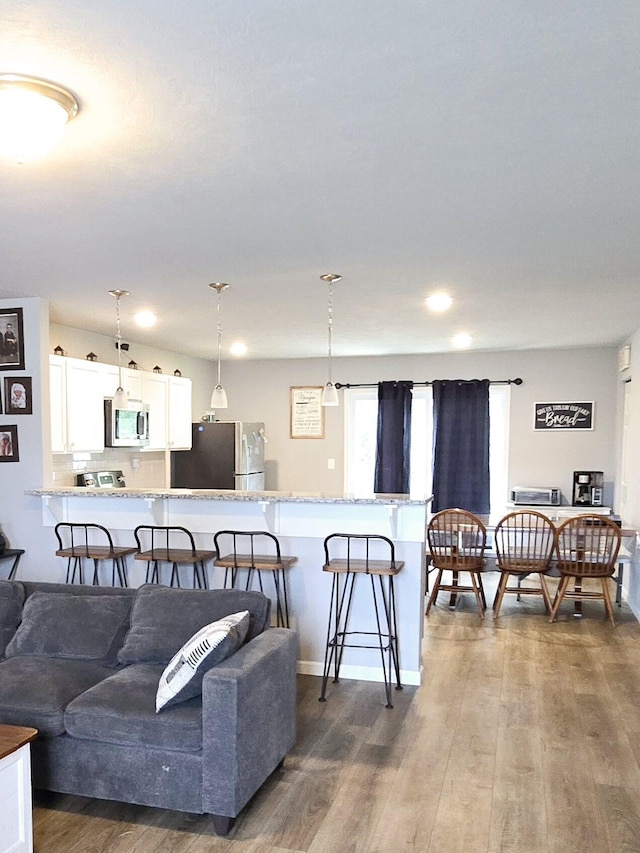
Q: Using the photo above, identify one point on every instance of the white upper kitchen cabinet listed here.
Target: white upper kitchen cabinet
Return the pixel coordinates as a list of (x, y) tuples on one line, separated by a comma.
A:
[(179, 420), (77, 411), (78, 389), (58, 398), (154, 391)]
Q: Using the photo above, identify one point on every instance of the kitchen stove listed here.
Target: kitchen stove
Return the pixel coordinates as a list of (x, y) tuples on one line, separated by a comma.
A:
[(101, 480)]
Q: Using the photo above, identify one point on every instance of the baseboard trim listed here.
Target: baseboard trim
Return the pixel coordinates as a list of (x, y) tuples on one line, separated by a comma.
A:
[(360, 673)]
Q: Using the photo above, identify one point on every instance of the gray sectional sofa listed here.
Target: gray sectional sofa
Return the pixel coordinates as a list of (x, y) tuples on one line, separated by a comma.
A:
[(82, 665)]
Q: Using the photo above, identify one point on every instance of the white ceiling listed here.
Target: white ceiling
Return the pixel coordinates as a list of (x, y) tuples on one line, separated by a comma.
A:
[(487, 147)]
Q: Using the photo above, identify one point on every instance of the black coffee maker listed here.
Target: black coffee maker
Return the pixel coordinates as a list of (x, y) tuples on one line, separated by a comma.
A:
[(587, 488)]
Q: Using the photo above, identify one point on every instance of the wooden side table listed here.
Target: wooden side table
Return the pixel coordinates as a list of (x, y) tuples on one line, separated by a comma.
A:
[(16, 818)]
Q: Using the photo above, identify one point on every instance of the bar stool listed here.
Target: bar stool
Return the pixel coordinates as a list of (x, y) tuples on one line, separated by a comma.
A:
[(355, 561), (244, 555), (79, 542), (174, 545), (12, 554)]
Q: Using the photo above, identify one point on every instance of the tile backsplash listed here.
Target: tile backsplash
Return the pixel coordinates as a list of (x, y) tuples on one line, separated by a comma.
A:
[(140, 470)]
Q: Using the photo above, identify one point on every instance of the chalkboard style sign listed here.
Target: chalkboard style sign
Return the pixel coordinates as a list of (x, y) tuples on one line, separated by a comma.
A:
[(551, 416)]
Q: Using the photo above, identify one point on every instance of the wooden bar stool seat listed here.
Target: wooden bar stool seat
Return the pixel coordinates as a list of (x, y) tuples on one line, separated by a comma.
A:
[(355, 561), (176, 547), (244, 555), (80, 542)]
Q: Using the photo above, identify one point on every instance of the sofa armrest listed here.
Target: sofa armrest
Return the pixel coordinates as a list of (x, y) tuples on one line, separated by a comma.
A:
[(248, 719)]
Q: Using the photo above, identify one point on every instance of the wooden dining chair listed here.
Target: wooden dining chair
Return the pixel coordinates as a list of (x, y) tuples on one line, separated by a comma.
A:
[(457, 539), (586, 548), (524, 542)]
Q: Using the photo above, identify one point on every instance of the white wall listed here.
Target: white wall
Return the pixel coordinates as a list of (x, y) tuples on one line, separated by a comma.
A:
[(77, 343), (630, 466), (21, 516), (260, 391)]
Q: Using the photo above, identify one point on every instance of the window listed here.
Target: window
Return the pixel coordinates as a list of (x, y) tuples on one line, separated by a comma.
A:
[(361, 407)]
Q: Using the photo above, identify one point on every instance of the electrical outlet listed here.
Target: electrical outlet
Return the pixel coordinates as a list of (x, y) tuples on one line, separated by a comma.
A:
[(331, 464)]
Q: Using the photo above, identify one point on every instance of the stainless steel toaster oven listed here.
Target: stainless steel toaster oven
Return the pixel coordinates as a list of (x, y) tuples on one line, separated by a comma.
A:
[(536, 496)]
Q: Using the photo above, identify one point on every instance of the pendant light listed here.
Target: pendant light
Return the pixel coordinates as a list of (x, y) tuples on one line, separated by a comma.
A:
[(330, 392), (120, 397), (219, 396)]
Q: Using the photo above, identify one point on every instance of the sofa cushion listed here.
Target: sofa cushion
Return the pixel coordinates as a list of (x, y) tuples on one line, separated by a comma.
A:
[(121, 710), (182, 678), (163, 619), (34, 691), (11, 601), (59, 625)]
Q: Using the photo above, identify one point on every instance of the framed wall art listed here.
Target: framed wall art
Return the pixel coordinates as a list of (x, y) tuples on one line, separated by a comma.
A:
[(307, 412), (9, 444), (11, 339), (17, 395), (556, 416)]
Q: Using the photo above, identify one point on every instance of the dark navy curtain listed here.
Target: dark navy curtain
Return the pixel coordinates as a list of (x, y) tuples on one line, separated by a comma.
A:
[(461, 445), (394, 438)]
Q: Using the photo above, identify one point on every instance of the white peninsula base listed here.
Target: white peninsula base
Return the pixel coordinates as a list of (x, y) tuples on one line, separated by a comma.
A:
[(301, 522)]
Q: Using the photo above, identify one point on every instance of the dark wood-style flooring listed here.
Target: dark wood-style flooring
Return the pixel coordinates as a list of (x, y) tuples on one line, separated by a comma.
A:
[(523, 738)]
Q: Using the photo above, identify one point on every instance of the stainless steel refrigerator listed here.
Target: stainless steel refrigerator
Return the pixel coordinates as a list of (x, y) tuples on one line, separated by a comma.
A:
[(224, 455)]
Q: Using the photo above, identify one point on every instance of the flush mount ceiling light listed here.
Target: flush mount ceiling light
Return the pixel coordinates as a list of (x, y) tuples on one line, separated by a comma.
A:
[(120, 397), (33, 115), (330, 392), (219, 396)]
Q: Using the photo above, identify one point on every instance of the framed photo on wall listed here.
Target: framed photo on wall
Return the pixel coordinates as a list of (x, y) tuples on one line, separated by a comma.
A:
[(9, 444), (11, 339), (307, 412), (17, 395)]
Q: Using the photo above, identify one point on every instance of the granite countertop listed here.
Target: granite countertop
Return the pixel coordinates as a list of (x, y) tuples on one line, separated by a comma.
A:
[(225, 495)]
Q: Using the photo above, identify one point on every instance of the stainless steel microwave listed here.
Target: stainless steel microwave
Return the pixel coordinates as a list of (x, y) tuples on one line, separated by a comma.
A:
[(128, 427), (536, 496)]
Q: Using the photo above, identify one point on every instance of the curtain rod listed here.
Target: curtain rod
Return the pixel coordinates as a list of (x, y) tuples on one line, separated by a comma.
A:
[(517, 381)]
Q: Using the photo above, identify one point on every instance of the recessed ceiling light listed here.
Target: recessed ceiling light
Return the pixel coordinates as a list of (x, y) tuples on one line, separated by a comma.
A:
[(439, 302), (238, 348), (146, 319), (462, 340)]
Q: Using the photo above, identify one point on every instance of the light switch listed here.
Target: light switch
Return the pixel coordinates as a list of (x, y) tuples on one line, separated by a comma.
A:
[(331, 464)]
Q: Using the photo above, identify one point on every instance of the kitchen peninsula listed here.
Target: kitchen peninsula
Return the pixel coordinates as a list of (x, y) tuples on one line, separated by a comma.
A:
[(300, 521)]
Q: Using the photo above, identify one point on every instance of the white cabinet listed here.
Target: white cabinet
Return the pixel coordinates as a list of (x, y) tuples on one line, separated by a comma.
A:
[(77, 392), (77, 417), (155, 392), (57, 395), (179, 414), (85, 405)]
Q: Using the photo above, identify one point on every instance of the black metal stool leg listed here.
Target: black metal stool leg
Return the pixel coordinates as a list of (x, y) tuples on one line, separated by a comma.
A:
[(386, 678), (347, 594), (330, 647), (389, 600)]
